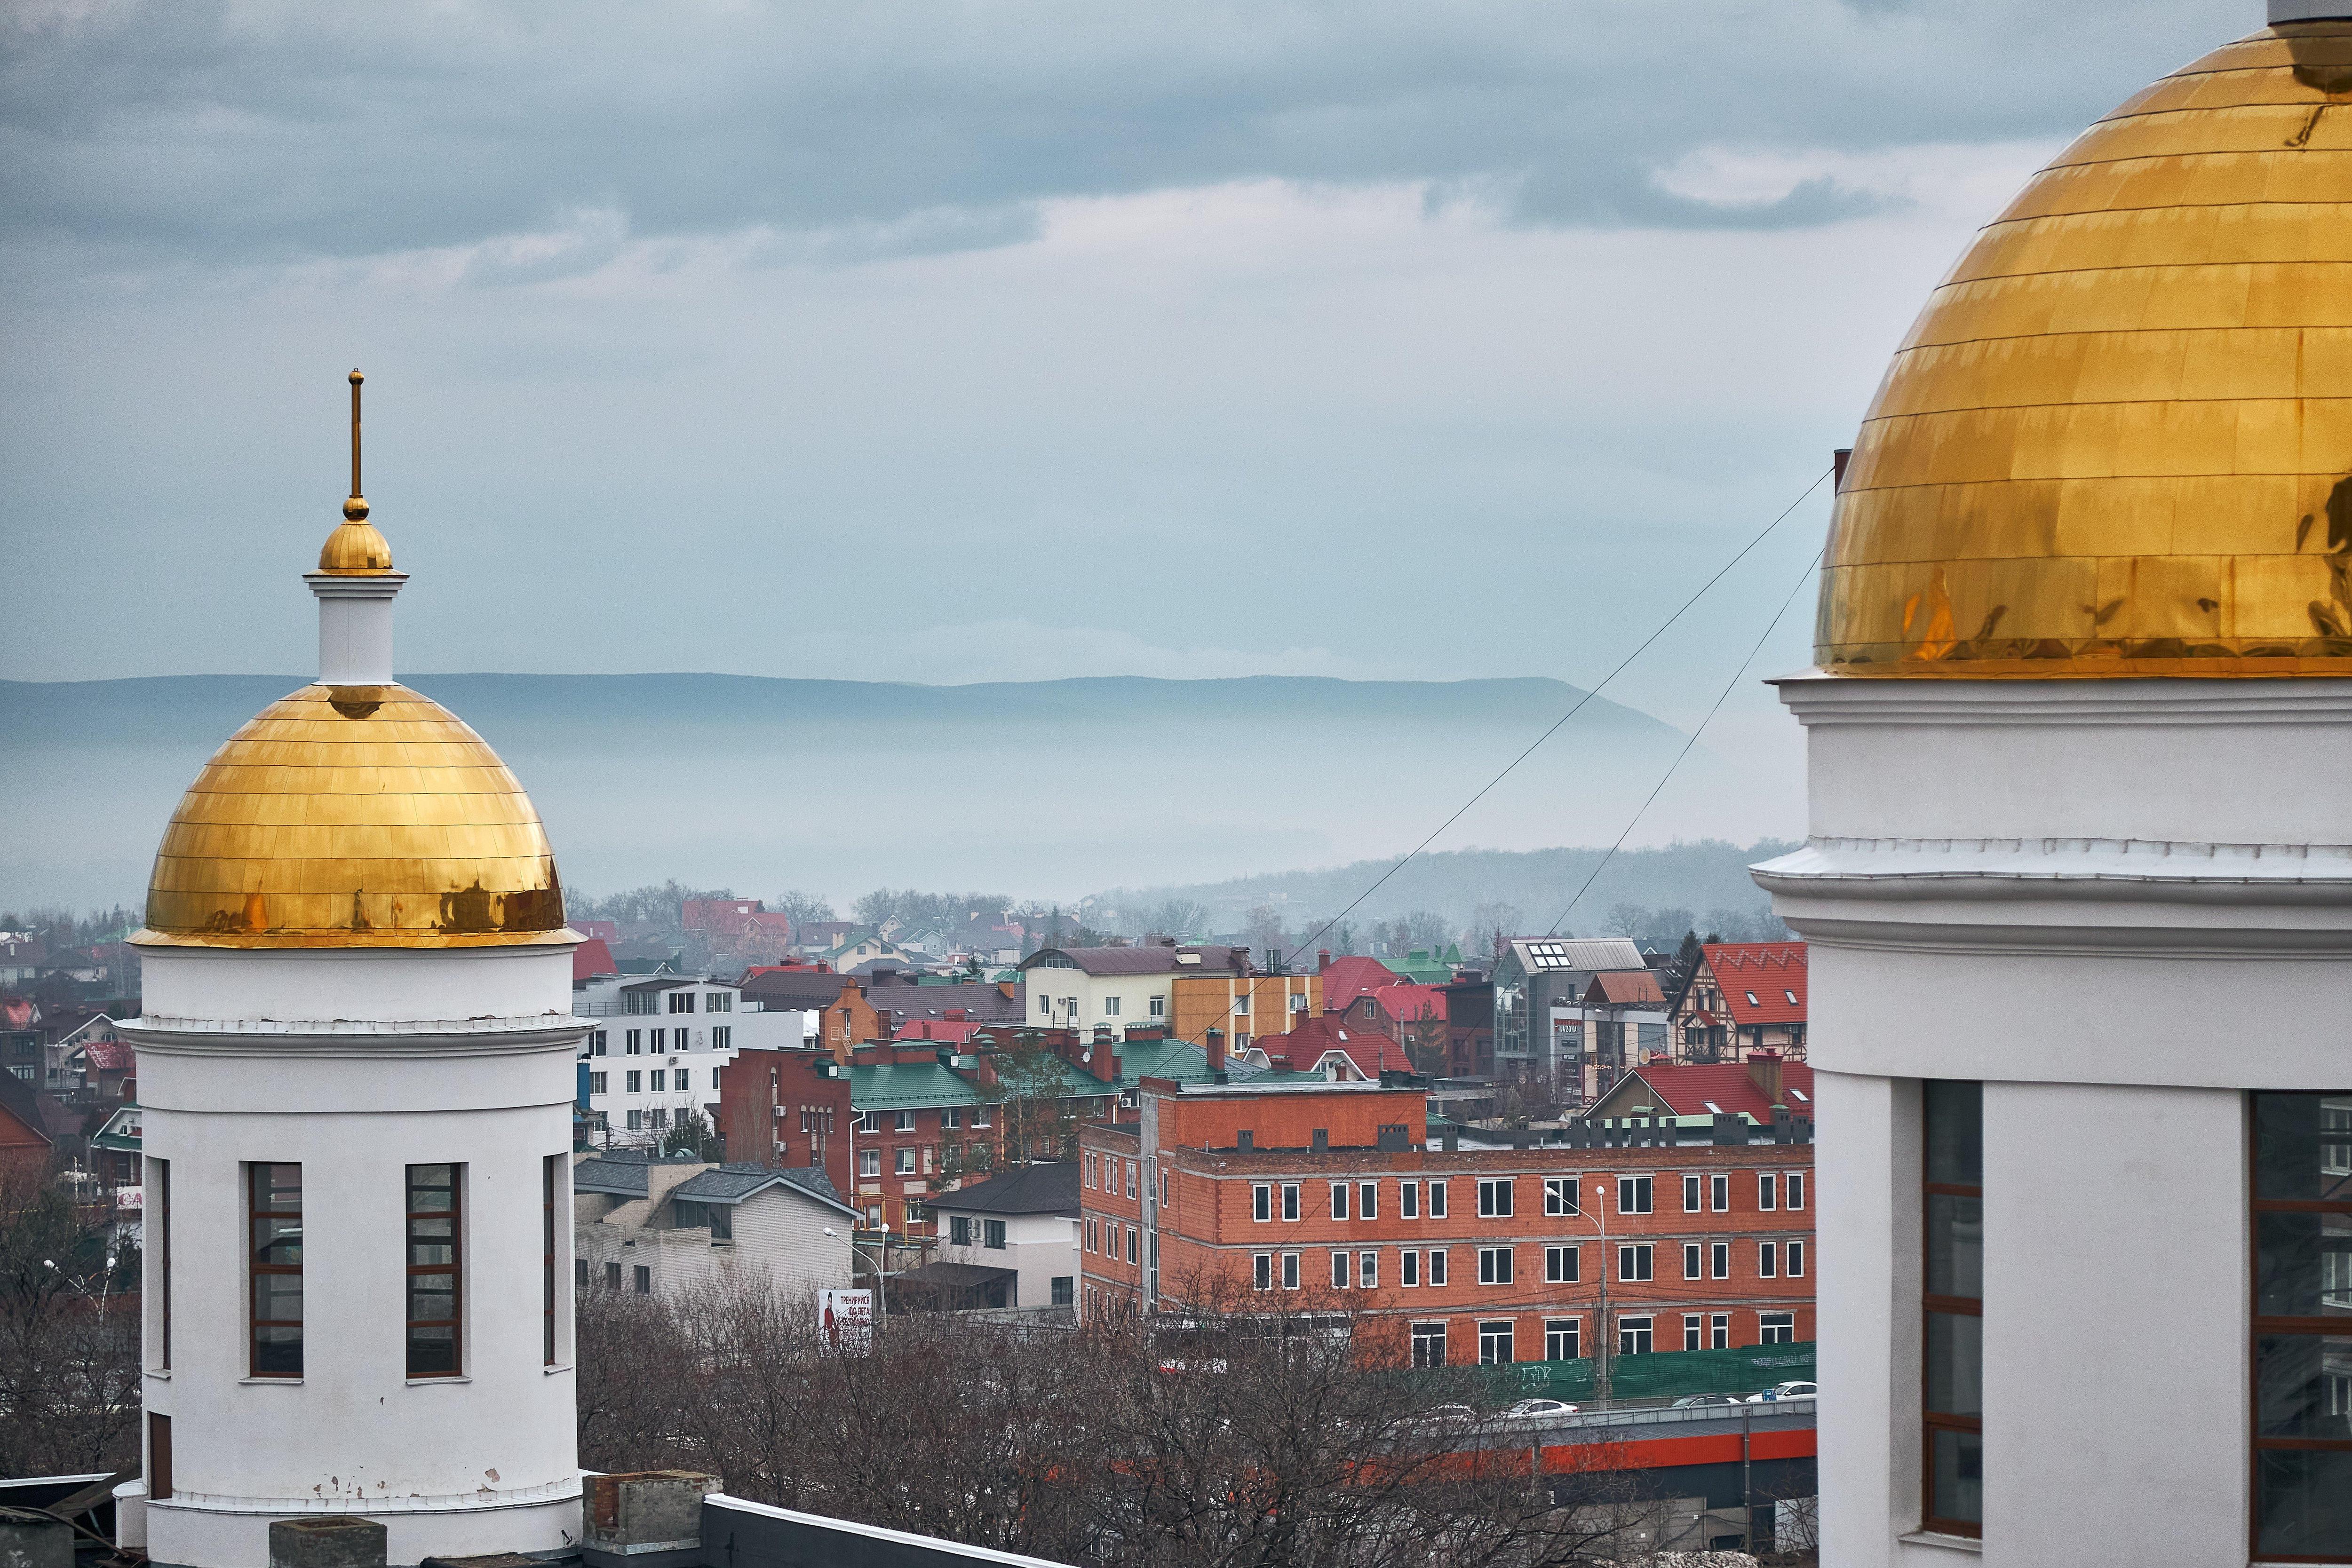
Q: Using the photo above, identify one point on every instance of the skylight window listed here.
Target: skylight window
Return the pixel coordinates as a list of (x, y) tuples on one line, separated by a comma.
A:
[(1751, 1000), (1791, 995), (1712, 1106), (1549, 955), (1797, 1093)]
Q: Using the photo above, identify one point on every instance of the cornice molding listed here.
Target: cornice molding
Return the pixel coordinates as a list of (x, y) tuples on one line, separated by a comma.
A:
[(1823, 699), (276, 1041), (2129, 871)]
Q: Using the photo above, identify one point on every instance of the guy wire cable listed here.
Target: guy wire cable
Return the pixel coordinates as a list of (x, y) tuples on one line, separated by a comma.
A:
[(1772, 626), (1642, 647)]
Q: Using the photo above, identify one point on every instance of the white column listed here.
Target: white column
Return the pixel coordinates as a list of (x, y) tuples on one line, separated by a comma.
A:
[(355, 627)]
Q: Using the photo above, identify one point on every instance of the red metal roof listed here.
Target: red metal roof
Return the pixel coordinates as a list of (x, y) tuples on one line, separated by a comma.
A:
[(591, 957), (1686, 1090), (1620, 987), (1306, 1042), (1762, 982), (1346, 978)]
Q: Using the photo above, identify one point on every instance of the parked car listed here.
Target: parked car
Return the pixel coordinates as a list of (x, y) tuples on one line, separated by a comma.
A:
[(1538, 1409), (1694, 1401), (1786, 1391)]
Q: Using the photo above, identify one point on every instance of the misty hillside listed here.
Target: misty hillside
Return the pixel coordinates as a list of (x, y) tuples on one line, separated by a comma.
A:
[(1047, 789), (1540, 884)]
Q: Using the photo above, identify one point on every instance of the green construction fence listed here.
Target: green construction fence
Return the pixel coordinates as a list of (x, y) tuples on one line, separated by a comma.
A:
[(1661, 1374)]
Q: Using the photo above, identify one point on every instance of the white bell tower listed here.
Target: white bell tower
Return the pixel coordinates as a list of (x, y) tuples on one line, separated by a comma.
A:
[(356, 1070)]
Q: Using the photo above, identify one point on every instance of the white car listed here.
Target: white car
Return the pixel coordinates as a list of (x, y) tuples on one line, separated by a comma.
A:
[(1539, 1410), (1785, 1391)]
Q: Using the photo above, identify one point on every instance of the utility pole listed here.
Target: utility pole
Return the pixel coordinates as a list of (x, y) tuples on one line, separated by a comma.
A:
[(1746, 1491)]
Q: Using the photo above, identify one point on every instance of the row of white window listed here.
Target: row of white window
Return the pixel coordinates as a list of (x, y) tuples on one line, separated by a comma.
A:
[(1563, 1265), (666, 1080), (1636, 1335), (950, 1120), (678, 1001), (633, 1041), (1102, 1173), (1497, 1196)]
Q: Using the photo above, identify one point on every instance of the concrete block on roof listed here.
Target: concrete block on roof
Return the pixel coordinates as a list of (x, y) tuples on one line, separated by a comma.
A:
[(338, 1541), (643, 1519)]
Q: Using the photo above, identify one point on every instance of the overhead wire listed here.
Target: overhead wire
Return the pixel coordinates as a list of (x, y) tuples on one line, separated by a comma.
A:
[(1641, 648), (1770, 626)]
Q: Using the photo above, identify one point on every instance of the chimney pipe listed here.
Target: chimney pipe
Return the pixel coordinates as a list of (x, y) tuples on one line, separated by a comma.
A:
[(1322, 959), (1764, 1071), (1216, 1040)]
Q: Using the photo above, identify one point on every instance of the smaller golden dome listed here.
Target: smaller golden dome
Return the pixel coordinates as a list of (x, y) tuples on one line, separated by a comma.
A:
[(355, 548)]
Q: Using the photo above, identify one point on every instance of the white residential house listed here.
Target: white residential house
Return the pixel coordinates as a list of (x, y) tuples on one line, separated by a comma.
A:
[(1079, 988), (651, 1227), (658, 1042), (1011, 1241)]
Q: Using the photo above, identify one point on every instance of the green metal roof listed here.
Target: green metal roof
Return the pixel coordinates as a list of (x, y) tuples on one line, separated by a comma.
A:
[(908, 1083)]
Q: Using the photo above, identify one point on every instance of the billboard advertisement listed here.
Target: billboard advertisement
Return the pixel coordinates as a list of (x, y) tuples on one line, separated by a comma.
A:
[(846, 1319)]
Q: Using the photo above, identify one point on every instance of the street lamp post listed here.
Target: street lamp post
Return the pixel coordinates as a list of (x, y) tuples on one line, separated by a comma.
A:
[(1599, 1219), (881, 1264)]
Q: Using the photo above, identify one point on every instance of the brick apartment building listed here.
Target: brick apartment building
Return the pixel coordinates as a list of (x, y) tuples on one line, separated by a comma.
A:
[(1468, 1255)]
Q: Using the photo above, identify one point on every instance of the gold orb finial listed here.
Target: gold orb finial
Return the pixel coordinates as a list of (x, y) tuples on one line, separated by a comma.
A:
[(356, 548)]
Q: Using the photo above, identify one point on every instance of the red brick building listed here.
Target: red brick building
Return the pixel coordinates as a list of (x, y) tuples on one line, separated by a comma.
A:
[(1469, 1255)]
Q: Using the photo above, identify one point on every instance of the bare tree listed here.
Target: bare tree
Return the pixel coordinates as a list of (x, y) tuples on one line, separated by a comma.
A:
[(800, 908), (70, 1315), (1182, 918), (1246, 1430), (1625, 920)]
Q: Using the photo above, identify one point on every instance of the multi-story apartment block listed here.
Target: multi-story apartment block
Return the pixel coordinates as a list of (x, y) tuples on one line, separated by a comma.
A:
[(1226, 1191), (653, 1054)]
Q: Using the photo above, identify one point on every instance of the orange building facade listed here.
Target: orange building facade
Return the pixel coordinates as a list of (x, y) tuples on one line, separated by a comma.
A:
[(1468, 1256), (1244, 1005)]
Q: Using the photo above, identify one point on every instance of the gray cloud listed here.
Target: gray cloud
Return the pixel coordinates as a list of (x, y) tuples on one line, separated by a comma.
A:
[(279, 129)]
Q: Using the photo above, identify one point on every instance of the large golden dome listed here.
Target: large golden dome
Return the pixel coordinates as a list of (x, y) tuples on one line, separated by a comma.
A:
[(354, 816), (2118, 440)]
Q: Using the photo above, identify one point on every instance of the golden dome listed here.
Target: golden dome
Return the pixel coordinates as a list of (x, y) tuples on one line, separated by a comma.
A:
[(2118, 440), (355, 548), (354, 816)]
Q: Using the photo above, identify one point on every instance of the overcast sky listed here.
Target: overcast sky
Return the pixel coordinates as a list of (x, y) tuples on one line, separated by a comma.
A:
[(952, 342)]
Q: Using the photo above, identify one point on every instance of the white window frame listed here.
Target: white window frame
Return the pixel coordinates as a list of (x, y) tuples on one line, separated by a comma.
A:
[(1556, 1328), (1766, 1328), (1503, 1329), (1690, 1194), (1796, 1191), (1495, 1265), (1561, 1195), (1563, 1264), (1796, 1260), (906, 1161), (1408, 1269), (1340, 1268), (1494, 1197), (1645, 1326), (1718, 1331), (1768, 1260), (1719, 1260), (1436, 1272), (1643, 1255), (1290, 1270), (1694, 1331), (1368, 1200), (1691, 1261), (1291, 1207), (1339, 1200), (1408, 1200), (1635, 1195), (1261, 1203), (1437, 1200), (869, 1163), (1368, 1271), (1720, 1194), (1262, 1271), (1767, 1191)]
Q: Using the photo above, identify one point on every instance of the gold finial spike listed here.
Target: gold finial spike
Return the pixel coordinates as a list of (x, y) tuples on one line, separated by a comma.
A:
[(355, 548), (356, 507)]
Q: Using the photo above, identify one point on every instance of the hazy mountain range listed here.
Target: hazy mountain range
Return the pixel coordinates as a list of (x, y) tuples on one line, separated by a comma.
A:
[(1046, 790)]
